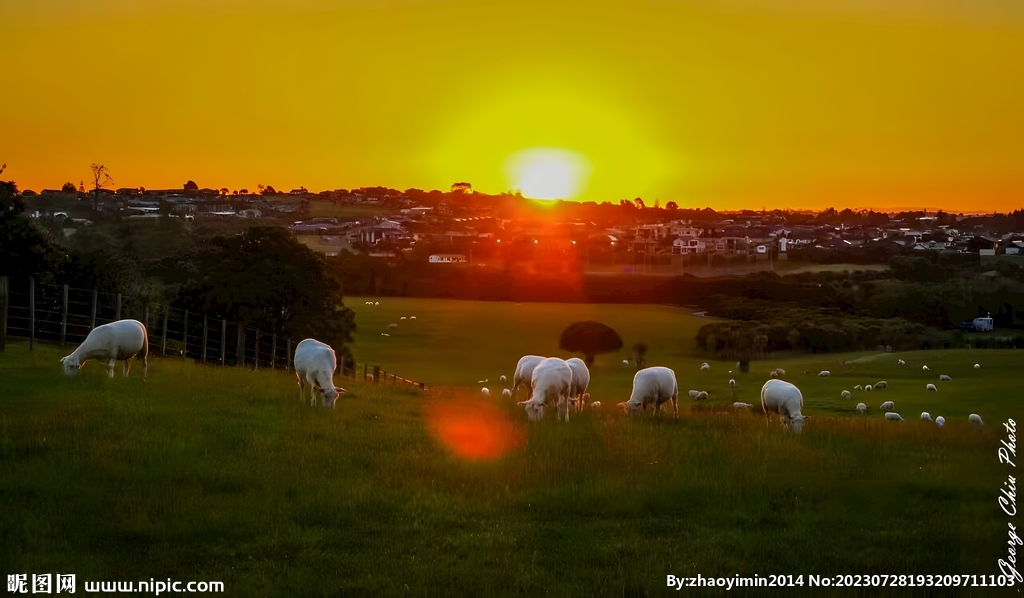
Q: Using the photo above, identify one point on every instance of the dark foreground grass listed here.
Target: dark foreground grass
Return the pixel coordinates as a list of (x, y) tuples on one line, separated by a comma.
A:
[(202, 473)]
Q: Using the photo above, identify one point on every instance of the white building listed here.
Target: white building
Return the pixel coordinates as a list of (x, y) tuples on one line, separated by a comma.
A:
[(447, 258)]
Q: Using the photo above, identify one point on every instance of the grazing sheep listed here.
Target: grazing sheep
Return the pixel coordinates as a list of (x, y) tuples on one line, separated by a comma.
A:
[(315, 363), (484, 381), (881, 385), (595, 404), (784, 399), (625, 362), (506, 392), (376, 302), (123, 339), (704, 366), (524, 372), (702, 396), (845, 394), (974, 418), (944, 378), (862, 408), (653, 385), (773, 375), (550, 382), (693, 393), (868, 388), (858, 387), (486, 391), (893, 417), (732, 383), (887, 406), (384, 334), (940, 421), (580, 381), (502, 378), (824, 373), (412, 317), (977, 366), (900, 362), (402, 318), (931, 387), (739, 405), (926, 416), (781, 372), (924, 367)]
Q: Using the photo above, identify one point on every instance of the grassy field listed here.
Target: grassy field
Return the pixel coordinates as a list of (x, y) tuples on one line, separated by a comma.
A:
[(201, 473)]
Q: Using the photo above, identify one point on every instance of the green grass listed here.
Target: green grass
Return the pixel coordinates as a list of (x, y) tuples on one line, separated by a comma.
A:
[(201, 473)]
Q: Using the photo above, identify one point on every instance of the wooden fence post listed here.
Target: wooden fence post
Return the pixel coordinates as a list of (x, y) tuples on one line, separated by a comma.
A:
[(240, 348), (95, 303), (223, 339), (145, 316), (184, 336), (288, 357), (364, 372), (256, 351), (273, 350), (117, 314), (204, 339), (3, 313), (163, 337), (64, 318), (31, 313)]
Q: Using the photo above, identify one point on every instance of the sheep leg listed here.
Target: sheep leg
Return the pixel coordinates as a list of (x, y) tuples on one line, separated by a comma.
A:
[(110, 368), (145, 366), (675, 407), (126, 367), (302, 390)]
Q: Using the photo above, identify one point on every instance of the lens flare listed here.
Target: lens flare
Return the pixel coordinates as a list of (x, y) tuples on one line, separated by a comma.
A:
[(548, 173), (473, 430)]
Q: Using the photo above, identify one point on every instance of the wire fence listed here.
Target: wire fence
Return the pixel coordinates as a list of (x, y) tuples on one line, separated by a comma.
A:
[(64, 315)]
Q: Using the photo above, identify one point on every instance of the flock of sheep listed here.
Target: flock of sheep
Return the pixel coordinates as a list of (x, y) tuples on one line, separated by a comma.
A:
[(552, 381)]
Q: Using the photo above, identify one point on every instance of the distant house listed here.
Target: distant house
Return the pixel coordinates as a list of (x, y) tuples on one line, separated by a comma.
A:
[(447, 258), (684, 245)]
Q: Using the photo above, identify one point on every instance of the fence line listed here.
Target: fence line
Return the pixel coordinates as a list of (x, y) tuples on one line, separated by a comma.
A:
[(64, 315)]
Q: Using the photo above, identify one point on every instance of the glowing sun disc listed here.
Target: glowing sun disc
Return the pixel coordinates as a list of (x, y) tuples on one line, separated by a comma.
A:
[(547, 173)]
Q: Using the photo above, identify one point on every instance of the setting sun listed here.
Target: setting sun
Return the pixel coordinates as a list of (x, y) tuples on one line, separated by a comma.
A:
[(544, 173)]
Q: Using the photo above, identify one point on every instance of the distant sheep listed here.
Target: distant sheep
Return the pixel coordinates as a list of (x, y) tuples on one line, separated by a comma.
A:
[(862, 408), (412, 317), (392, 326), (702, 396), (402, 318), (384, 334), (486, 391), (845, 394), (931, 387), (773, 375), (732, 383), (880, 385), (974, 418), (900, 362), (502, 378), (940, 421), (704, 366), (858, 387), (887, 406), (550, 382), (893, 417), (376, 302), (868, 388), (506, 392), (977, 366), (595, 404), (693, 393), (944, 378), (739, 405), (484, 381), (653, 385), (926, 416), (625, 362), (785, 400), (824, 373), (924, 367), (781, 372)]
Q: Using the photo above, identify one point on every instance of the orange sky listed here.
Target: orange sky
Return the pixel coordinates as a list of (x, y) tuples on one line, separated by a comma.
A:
[(721, 103)]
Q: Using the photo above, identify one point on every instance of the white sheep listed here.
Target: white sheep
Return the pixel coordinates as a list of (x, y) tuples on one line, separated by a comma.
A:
[(524, 372), (702, 395), (625, 362), (862, 408), (845, 394), (900, 362), (785, 400), (868, 388), (486, 391), (123, 339), (824, 373), (315, 363), (595, 404), (739, 405), (858, 387), (931, 387), (974, 418), (376, 302), (402, 318), (502, 378), (550, 382), (412, 317), (693, 393), (924, 367), (881, 384), (506, 392), (780, 371), (484, 381), (580, 381), (384, 334), (893, 417), (944, 378), (773, 375), (977, 366), (704, 366), (926, 416), (940, 421), (887, 406), (732, 383), (653, 385)]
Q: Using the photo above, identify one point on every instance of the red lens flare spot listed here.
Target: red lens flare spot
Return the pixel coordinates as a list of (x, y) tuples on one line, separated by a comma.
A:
[(473, 430)]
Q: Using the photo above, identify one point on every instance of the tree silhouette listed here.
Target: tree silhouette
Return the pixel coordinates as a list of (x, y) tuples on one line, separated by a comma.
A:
[(672, 206), (590, 338), (68, 188), (100, 178), (191, 186)]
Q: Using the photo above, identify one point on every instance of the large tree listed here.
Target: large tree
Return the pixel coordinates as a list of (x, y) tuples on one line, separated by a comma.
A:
[(589, 338), (26, 249), (266, 279)]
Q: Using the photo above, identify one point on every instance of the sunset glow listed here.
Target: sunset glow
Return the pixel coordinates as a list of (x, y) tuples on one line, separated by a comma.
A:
[(473, 430), (548, 173)]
